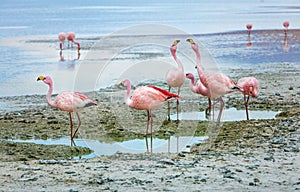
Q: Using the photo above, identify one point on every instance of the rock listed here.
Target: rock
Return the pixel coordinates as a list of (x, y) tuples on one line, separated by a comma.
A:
[(291, 149), (167, 161)]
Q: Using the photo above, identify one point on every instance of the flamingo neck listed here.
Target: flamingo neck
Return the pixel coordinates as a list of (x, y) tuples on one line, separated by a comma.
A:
[(48, 97), (180, 66), (192, 84), (128, 101), (78, 44)]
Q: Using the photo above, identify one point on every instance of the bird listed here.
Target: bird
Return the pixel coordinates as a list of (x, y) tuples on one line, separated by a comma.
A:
[(249, 27), (147, 98), (217, 83), (249, 87), (175, 76), (286, 25), (62, 38), (67, 101), (199, 88), (71, 37)]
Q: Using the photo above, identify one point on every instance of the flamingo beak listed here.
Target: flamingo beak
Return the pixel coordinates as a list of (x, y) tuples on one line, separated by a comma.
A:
[(251, 90), (191, 41), (175, 42), (41, 78)]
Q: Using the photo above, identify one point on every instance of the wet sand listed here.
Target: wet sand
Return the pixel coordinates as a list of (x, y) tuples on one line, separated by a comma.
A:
[(254, 155)]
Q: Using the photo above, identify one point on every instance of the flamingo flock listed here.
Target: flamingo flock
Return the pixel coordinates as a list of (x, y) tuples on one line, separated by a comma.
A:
[(212, 85)]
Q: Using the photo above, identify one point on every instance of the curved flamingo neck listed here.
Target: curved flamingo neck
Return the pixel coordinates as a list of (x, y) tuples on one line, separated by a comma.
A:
[(78, 44), (173, 51), (128, 101), (48, 97)]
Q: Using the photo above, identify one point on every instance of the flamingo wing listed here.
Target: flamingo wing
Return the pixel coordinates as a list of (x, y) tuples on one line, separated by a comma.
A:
[(72, 101)]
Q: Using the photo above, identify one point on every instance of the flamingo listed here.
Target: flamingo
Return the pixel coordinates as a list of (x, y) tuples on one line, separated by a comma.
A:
[(61, 37), (67, 101), (286, 25), (217, 83), (147, 98), (71, 37), (249, 27), (175, 76), (199, 88), (249, 87)]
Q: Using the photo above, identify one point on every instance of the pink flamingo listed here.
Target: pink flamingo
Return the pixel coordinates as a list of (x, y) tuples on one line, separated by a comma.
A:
[(217, 83), (286, 25), (199, 88), (175, 76), (62, 38), (147, 98), (249, 27), (249, 87), (71, 37), (67, 101)]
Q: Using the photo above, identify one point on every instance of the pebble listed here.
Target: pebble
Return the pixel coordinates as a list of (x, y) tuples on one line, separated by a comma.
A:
[(167, 161)]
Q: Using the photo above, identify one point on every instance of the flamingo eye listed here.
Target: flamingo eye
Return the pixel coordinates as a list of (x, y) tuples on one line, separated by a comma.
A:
[(195, 67)]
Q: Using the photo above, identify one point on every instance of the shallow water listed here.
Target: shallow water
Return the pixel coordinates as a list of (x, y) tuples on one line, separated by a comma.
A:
[(171, 145), (231, 114)]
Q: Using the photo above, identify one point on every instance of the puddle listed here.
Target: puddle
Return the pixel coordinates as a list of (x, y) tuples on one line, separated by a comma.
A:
[(231, 114), (172, 145)]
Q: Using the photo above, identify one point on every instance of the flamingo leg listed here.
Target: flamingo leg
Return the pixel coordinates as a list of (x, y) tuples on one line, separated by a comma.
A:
[(148, 121), (208, 109), (246, 100), (79, 124), (71, 130), (169, 107), (177, 104), (221, 108)]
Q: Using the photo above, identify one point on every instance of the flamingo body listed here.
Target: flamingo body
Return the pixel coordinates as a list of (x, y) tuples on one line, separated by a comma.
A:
[(67, 101), (217, 83), (62, 38), (249, 87), (147, 98), (249, 27), (71, 37)]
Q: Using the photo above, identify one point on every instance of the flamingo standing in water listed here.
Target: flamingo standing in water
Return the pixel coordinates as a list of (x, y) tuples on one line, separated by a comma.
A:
[(249, 27), (62, 38), (67, 101), (71, 37), (286, 25), (249, 87), (147, 98), (199, 88), (217, 83), (175, 76)]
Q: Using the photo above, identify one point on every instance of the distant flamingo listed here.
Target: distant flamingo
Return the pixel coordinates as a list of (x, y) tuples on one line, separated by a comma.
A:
[(217, 83), (175, 76), (71, 37), (199, 88), (67, 101), (249, 27), (249, 87), (147, 98), (286, 25), (62, 38)]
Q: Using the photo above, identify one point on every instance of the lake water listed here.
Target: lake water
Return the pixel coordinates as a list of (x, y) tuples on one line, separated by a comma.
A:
[(20, 66)]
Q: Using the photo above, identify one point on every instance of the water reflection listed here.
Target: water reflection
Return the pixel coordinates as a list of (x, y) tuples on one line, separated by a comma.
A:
[(286, 46), (231, 114), (172, 144), (69, 59)]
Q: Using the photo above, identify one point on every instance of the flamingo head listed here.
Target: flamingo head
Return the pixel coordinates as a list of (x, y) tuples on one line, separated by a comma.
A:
[(250, 86), (46, 79), (189, 76), (194, 45), (174, 46), (126, 83)]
